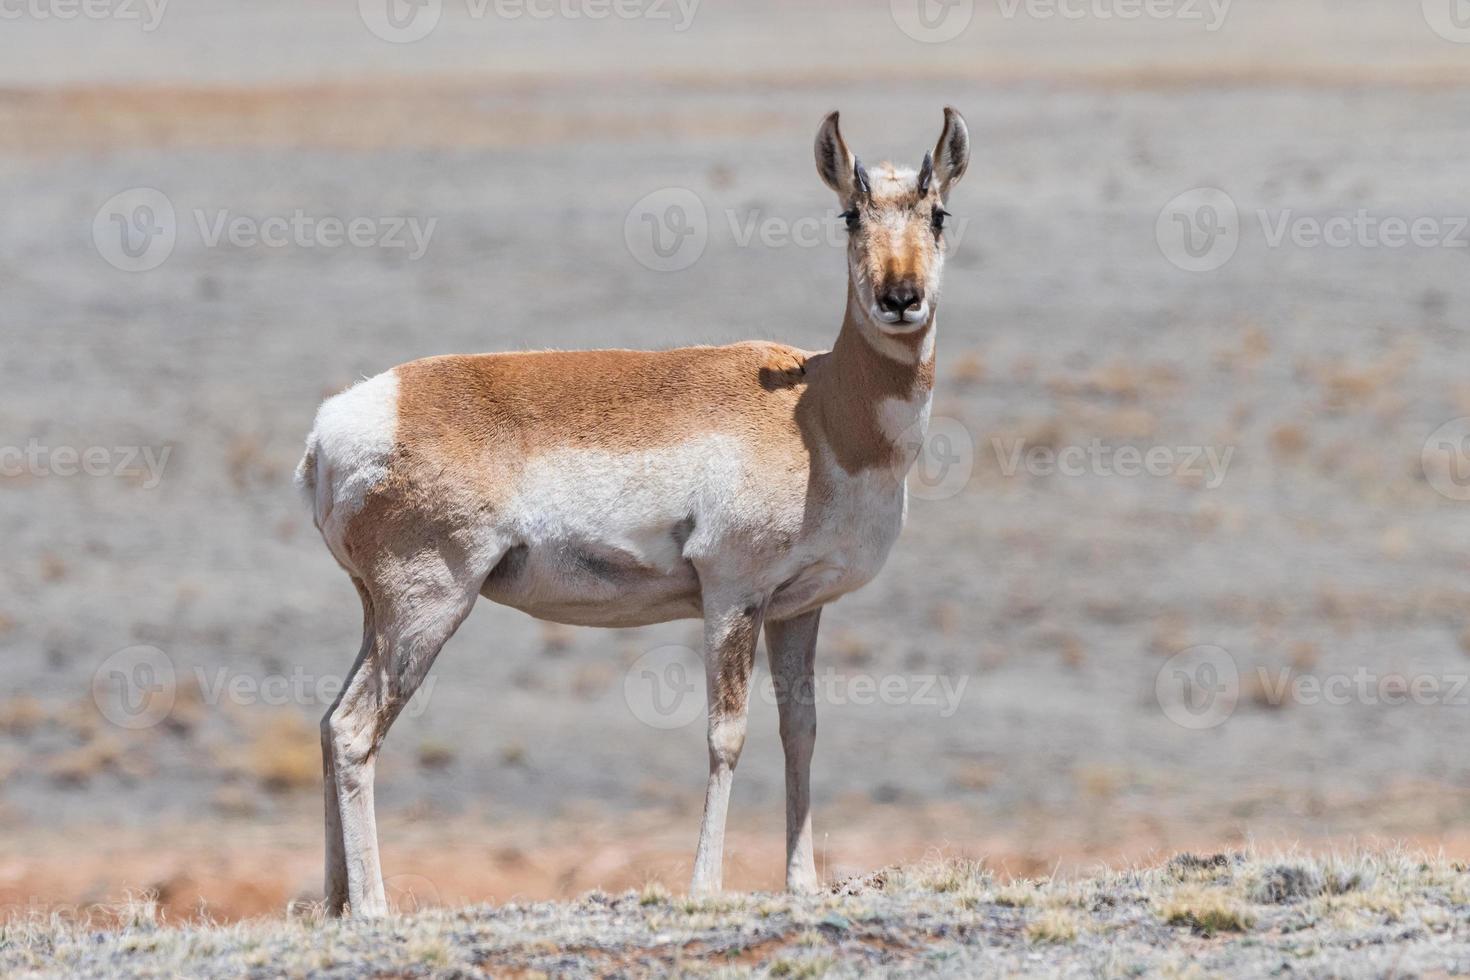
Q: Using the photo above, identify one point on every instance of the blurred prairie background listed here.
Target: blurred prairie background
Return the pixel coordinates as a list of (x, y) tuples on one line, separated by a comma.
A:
[(168, 640)]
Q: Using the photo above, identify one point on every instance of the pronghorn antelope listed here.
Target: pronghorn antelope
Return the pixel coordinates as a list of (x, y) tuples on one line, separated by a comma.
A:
[(749, 485)]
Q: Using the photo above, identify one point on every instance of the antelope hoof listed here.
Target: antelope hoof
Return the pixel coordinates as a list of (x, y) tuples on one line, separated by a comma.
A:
[(802, 885), (704, 889)]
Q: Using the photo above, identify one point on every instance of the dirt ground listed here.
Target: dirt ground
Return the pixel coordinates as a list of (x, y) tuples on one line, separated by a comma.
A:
[(1238, 914), (1258, 629)]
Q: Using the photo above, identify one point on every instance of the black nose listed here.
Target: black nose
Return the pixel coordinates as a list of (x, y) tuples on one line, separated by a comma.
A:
[(901, 297)]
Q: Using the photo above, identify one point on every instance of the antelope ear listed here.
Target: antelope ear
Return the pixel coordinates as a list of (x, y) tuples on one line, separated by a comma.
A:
[(952, 152), (836, 165)]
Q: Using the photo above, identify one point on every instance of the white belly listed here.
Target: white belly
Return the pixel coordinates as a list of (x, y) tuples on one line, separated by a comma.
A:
[(600, 539)]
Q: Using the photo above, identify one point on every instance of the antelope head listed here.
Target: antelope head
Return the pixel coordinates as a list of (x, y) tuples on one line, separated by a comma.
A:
[(895, 221)]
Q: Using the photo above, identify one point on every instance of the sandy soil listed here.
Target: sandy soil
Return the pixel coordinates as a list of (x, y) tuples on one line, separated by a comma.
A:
[(1329, 546)]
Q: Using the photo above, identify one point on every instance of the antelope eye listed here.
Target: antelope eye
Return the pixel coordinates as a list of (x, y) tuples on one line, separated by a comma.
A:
[(939, 215), (851, 217)]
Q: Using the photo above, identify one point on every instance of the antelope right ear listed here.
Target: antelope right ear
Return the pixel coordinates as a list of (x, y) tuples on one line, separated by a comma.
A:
[(836, 165), (952, 152)]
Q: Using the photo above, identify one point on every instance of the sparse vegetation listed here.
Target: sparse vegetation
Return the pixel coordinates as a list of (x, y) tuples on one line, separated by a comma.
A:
[(1361, 913)]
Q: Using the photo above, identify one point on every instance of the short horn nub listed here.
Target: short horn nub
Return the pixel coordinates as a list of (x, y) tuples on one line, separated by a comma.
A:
[(926, 173)]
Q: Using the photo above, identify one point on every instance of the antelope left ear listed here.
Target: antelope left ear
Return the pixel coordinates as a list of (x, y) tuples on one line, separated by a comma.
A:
[(836, 165), (952, 152)]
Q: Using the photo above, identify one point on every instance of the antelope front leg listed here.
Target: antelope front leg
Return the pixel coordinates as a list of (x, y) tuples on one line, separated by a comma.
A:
[(791, 646), (730, 631)]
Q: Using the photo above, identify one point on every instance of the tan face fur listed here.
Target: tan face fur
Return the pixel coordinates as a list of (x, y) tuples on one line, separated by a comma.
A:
[(895, 218)]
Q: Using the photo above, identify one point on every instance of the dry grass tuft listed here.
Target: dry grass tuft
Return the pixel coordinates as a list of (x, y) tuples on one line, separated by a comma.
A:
[(653, 893), (1198, 867), (78, 766), (556, 639), (801, 968), (1206, 910), (434, 754), (968, 368), (1016, 895), (1284, 883), (285, 754), (21, 715), (248, 463), (1289, 441), (53, 567), (1053, 926)]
